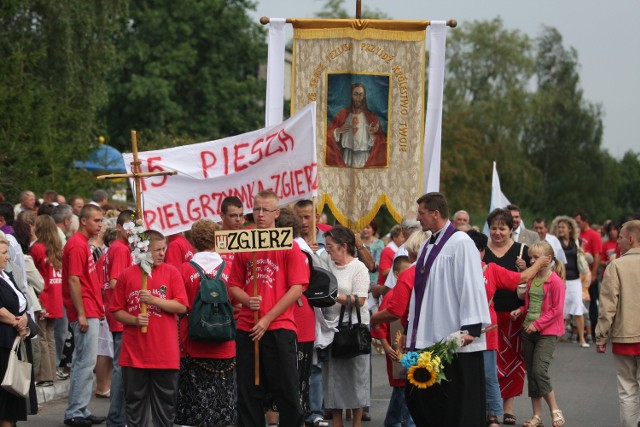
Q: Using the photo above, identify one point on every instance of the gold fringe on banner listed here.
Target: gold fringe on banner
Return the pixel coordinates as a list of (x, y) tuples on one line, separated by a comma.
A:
[(363, 221)]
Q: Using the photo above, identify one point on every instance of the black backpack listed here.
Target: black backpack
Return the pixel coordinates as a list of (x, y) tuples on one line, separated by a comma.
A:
[(211, 317), (323, 286)]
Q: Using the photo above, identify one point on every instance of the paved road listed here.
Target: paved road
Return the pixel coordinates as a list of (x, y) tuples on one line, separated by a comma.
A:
[(584, 382)]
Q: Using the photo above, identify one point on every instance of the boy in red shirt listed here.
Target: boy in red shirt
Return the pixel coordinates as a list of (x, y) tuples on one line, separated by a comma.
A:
[(150, 361), (397, 411), (83, 301), (282, 276)]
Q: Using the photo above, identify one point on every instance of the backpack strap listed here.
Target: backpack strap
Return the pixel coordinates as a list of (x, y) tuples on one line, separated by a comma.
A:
[(203, 275)]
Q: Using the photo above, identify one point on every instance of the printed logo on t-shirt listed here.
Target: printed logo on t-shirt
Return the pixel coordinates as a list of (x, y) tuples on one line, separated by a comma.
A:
[(133, 301), (91, 265), (266, 270), (55, 277)]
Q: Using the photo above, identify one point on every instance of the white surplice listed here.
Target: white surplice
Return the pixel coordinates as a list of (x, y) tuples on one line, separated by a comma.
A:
[(454, 296)]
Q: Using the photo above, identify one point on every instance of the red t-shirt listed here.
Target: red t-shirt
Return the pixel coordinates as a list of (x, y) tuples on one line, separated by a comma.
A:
[(51, 296), (198, 348), (497, 277), (118, 258), (592, 242), (383, 331), (386, 263), (609, 248), (277, 272), (626, 349), (77, 260), (398, 305), (179, 251), (158, 348), (305, 320), (228, 259)]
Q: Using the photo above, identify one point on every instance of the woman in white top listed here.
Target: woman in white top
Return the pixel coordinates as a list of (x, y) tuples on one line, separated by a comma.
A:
[(346, 382)]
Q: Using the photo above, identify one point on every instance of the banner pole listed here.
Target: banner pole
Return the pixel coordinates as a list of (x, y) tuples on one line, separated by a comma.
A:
[(256, 318), (264, 20)]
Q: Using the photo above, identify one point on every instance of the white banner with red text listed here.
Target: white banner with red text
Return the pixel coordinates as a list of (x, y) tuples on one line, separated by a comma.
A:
[(281, 158)]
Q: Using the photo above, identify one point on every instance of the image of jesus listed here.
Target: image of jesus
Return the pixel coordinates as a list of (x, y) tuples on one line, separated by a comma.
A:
[(354, 136)]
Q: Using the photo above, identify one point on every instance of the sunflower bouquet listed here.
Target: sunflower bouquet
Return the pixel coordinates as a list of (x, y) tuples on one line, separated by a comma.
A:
[(426, 367)]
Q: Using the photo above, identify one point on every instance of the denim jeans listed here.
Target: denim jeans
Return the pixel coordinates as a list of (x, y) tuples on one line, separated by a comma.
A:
[(491, 386), (315, 393), (60, 332), (398, 412), (117, 416), (85, 355)]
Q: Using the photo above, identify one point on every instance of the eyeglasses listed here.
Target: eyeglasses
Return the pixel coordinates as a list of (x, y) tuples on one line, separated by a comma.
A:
[(332, 245), (265, 210)]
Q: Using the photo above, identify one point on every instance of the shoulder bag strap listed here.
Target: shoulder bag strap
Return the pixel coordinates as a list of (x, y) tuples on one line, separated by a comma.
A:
[(357, 309), (342, 310)]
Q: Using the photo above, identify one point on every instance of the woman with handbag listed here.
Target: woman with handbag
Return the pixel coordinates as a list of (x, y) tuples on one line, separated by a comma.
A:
[(13, 322), (346, 381), (566, 230)]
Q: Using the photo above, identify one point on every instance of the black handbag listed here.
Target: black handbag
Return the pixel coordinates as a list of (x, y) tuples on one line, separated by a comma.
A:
[(352, 339)]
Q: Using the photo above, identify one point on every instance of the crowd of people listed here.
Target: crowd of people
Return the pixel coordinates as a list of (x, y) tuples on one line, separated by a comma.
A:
[(70, 286)]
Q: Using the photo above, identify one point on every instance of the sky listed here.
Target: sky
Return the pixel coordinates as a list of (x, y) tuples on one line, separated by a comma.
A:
[(605, 35)]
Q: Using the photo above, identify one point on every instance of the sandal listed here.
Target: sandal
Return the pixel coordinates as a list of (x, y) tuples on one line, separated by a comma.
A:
[(509, 419), (535, 421), (493, 421), (558, 418)]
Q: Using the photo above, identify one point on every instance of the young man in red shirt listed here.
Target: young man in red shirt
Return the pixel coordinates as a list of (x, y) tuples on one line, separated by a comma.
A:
[(150, 361), (117, 259), (179, 250), (282, 276), (83, 302)]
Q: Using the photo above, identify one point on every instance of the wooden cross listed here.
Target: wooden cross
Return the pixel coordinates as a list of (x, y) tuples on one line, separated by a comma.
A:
[(138, 175)]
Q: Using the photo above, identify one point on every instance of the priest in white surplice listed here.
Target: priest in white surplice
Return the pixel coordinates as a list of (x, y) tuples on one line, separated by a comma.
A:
[(448, 296)]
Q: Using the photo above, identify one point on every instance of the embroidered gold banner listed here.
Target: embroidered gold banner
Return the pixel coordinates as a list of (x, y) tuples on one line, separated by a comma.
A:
[(368, 80)]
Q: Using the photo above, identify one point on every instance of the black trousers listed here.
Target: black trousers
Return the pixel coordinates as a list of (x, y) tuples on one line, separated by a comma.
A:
[(279, 379), (154, 389), (458, 401), (594, 294)]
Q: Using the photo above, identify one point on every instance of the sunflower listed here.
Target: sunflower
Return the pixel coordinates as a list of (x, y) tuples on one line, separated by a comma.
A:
[(421, 376)]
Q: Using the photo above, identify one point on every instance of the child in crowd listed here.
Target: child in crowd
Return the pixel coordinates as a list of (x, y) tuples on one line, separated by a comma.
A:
[(397, 411), (543, 323), (150, 361)]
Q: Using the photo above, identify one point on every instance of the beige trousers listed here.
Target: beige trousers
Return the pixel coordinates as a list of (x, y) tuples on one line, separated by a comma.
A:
[(628, 375)]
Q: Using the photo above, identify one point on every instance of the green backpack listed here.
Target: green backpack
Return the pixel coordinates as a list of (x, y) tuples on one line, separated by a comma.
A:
[(211, 317)]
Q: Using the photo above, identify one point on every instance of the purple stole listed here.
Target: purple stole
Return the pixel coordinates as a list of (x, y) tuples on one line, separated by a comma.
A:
[(422, 276)]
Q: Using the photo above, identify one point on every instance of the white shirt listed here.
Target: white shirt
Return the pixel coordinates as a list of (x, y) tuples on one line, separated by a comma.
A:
[(22, 301), (390, 281), (454, 295)]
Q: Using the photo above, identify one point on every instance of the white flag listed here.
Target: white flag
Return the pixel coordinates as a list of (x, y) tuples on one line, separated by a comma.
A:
[(498, 199)]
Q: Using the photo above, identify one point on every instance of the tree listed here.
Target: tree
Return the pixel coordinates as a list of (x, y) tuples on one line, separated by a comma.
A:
[(486, 86), (55, 57), (564, 134), (189, 73), (629, 170)]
